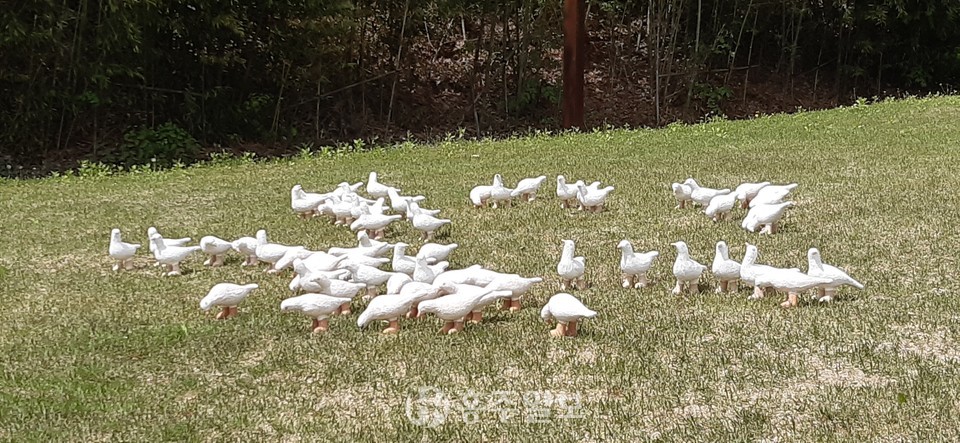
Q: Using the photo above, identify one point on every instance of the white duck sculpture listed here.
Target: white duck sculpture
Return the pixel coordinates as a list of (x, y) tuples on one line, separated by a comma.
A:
[(401, 262), (387, 307), (570, 268), (476, 314), (720, 206), (567, 310), (817, 268), (453, 308), (375, 224), (216, 248), (480, 195), (293, 254), (791, 281), (635, 265), (681, 191), (227, 296), (247, 247), (376, 189), (304, 204), (427, 224), (767, 216), (170, 256), (724, 269), (397, 281), (320, 283), (369, 276), (527, 188), (270, 252), (517, 286), (322, 262), (474, 275), (686, 270), (426, 273), (701, 195), (772, 194), (318, 307), (592, 200), (399, 203), (121, 252), (567, 193), (499, 194), (414, 210), (364, 241), (435, 252), (747, 191), (166, 241), (749, 269), (424, 291)]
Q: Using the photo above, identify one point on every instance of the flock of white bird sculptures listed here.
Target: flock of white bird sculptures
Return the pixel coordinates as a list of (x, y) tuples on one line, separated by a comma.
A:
[(422, 284)]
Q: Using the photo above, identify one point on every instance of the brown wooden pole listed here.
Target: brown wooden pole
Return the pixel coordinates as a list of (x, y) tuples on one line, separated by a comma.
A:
[(574, 61)]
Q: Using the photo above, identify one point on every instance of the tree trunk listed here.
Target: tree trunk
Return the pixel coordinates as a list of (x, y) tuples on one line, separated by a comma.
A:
[(574, 54)]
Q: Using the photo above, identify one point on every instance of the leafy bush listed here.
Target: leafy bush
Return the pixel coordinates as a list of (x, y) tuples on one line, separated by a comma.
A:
[(160, 147)]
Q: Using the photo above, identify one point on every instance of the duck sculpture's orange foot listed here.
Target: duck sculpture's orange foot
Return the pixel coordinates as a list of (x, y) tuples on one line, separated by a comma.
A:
[(515, 305), (227, 312), (505, 305), (571, 329), (447, 327), (320, 326), (559, 331), (393, 327), (457, 327), (345, 309), (792, 300)]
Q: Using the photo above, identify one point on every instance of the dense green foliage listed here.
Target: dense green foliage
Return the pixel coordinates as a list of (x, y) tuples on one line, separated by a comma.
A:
[(84, 73)]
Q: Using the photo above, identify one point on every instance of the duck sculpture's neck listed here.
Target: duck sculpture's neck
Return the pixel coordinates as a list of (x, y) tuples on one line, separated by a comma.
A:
[(262, 237), (567, 254), (750, 256), (814, 261), (722, 251)]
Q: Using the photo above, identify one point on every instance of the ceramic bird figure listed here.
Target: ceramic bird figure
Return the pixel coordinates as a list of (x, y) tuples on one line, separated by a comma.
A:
[(592, 200), (304, 204), (749, 269), (701, 195), (635, 265), (791, 281), (397, 281), (474, 275), (527, 188), (681, 191), (517, 286), (270, 252), (500, 194), (414, 210), (399, 203), (420, 291), (425, 273), (747, 191), (374, 224), (293, 254), (434, 252), (427, 224), (720, 206), (475, 315), (166, 241), (570, 268), (216, 248), (247, 247), (817, 268), (567, 310), (388, 307), (226, 296), (772, 194), (369, 276), (364, 241), (320, 262), (376, 189), (318, 307), (686, 270), (320, 283), (567, 193), (170, 256), (480, 195), (726, 271), (767, 216), (121, 252), (401, 262), (453, 308)]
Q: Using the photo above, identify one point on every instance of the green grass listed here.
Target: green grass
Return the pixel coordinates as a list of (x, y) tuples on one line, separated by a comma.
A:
[(93, 355)]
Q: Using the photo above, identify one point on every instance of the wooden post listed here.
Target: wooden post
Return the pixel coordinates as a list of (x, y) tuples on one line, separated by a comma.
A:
[(574, 61)]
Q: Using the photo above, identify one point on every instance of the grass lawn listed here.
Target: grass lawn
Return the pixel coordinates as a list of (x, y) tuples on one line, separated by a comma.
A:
[(92, 355)]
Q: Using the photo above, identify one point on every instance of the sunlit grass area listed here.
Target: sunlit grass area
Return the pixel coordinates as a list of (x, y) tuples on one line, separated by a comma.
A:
[(93, 355)]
